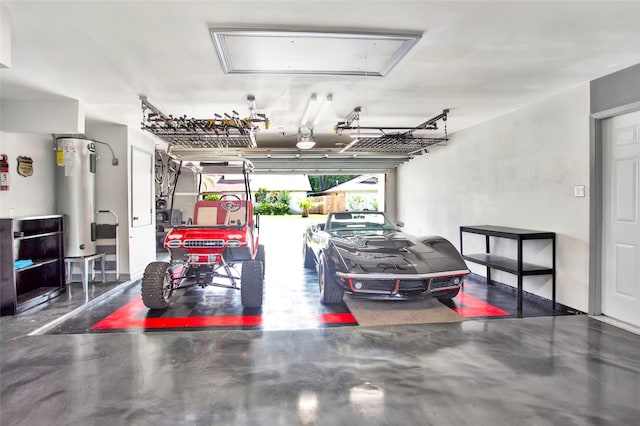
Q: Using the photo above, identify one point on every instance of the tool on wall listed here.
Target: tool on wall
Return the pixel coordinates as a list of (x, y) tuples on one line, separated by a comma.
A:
[(4, 173)]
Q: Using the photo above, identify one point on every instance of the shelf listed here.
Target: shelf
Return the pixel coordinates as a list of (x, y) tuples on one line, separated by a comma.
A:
[(35, 297), (29, 237), (507, 264), (509, 233), (37, 264), (41, 240)]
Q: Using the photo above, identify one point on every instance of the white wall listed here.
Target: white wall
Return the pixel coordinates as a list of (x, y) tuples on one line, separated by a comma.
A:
[(112, 181), (33, 195), (517, 170), (137, 244)]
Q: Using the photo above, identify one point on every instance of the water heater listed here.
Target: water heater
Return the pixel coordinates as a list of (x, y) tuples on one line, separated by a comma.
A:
[(76, 194)]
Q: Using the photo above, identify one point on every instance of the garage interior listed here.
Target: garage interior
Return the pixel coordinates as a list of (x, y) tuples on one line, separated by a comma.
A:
[(520, 114)]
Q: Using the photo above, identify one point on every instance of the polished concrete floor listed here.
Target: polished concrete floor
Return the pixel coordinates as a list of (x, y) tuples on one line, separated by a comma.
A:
[(542, 370)]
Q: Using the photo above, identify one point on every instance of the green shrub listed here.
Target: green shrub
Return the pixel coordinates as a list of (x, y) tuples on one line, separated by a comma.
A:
[(283, 197), (272, 203), (305, 205), (271, 197), (264, 208), (280, 208), (261, 194)]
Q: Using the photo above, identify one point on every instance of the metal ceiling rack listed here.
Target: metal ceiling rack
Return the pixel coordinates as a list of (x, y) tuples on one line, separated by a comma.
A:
[(391, 139), (194, 133)]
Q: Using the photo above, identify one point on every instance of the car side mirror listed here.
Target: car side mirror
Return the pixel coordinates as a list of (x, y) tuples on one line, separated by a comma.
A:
[(399, 224)]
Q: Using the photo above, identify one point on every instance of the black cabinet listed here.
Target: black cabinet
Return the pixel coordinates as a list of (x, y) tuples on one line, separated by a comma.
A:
[(31, 262), (513, 265)]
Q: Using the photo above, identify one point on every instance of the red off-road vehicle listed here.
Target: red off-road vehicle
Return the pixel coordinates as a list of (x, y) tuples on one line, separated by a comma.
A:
[(221, 236)]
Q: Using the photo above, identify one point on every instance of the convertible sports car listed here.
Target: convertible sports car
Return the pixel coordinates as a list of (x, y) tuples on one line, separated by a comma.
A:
[(364, 254)]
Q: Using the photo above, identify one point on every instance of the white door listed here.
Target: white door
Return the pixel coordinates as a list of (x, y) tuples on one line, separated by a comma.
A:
[(620, 221), (142, 186), (142, 233)]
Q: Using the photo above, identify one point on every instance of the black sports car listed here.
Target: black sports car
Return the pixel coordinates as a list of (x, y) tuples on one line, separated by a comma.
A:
[(364, 254)]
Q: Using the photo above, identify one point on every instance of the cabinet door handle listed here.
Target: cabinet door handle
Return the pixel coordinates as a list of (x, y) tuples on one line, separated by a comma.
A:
[(135, 218)]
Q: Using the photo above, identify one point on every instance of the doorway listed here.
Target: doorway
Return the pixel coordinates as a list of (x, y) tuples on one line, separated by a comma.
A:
[(620, 244)]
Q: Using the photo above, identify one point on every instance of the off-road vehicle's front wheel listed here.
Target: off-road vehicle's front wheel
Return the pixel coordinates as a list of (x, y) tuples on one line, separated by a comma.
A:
[(157, 285), (251, 284), (261, 257)]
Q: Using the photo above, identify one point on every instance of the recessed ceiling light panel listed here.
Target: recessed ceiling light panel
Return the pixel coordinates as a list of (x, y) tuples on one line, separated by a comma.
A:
[(294, 52)]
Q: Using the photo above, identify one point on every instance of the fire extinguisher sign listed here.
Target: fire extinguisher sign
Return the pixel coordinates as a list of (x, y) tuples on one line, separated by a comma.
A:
[(4, 173)]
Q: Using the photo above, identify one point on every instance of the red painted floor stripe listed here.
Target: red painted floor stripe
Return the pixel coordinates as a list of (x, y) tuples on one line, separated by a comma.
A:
[(125, 317), (474, 307), (336, 319)]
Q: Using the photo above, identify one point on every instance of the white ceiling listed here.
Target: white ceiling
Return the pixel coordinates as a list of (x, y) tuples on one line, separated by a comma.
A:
[(480, 59)]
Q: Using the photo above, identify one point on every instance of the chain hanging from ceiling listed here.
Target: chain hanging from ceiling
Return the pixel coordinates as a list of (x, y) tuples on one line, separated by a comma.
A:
[(221, 131), (390, 139)]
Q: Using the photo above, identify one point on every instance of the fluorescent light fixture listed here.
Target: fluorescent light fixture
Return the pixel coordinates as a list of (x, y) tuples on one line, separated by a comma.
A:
[(310, 108), (310, 52), (323, 108)]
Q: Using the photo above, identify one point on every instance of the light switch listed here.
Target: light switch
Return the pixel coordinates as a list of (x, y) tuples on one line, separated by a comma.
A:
[(578, 191)]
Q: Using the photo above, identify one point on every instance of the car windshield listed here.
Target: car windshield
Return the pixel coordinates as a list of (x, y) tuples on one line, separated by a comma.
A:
[(364, 222), (210, 194)]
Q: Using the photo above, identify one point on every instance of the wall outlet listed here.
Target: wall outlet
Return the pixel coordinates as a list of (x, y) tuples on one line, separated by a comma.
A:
[(578, 191)]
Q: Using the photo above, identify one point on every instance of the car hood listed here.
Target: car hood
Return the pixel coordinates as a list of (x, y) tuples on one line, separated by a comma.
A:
[(396, 253)]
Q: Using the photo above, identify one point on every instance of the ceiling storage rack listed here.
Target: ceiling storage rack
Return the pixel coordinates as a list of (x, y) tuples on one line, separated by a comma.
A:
[(381, 139), (221, 131)]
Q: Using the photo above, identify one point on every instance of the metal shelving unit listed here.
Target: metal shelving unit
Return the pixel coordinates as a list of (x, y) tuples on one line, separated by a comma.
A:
[(40, 242)]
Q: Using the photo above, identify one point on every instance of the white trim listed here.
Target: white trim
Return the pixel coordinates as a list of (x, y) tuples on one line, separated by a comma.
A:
[(616, 323), (634, 106), (50, 325)]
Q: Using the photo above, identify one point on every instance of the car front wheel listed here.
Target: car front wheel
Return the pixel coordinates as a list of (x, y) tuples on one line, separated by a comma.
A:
[(307, 254), (251, 284), (330, 291), (261, 257), (157, 285), (447, 295)]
